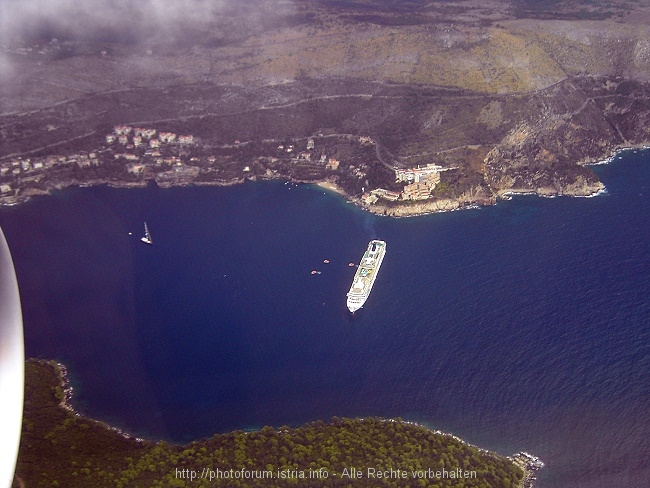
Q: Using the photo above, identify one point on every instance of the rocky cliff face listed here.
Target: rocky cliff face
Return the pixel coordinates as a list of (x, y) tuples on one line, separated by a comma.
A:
[(583, 120)]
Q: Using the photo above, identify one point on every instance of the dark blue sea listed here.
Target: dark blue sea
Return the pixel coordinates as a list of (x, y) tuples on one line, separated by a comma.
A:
[(522, 326)]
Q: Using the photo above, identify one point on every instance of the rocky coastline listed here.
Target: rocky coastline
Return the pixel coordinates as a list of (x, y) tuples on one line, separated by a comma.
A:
[(370, 161), (373, 161), (581, 187), (65, 393)]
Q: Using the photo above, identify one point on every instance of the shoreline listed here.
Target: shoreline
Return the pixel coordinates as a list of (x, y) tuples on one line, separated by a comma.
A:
[(68, 391), (412, 209), (331, 186), (528, 463)]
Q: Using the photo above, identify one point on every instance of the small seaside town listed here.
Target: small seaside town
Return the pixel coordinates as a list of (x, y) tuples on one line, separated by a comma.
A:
[(131, 156)]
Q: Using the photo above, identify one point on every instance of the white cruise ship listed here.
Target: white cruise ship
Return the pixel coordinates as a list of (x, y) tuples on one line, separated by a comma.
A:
[(366, 275)]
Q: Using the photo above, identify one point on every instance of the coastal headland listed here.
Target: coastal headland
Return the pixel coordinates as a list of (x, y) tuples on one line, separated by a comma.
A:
[(71, 450), (406, 110)]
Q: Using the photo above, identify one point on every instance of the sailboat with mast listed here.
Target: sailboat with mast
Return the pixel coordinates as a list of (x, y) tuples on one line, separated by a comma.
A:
[(147, 235)]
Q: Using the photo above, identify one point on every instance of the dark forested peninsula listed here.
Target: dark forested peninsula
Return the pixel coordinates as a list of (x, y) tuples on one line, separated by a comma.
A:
[(62, 448)]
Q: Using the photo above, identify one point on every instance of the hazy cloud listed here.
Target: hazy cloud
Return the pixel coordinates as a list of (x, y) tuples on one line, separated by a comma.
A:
[(129, 20), (6, 68), (164, 26)]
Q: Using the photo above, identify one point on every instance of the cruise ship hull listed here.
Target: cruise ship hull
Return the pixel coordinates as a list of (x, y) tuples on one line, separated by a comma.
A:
[(366, 274)]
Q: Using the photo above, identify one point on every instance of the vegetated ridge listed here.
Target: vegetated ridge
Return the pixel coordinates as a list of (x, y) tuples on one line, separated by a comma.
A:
[(62, 448)]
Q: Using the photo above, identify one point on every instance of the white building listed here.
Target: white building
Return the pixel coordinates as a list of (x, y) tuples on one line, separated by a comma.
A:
[(186, 139), (416, 175)]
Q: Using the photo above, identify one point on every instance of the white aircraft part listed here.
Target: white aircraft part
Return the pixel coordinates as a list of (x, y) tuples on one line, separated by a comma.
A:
[(12, 366)]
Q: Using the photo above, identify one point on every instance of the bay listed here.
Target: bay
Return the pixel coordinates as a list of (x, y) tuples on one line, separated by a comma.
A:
[(522, 326)]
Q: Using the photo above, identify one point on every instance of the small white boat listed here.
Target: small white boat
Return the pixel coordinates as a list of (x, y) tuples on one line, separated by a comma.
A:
[(147, 235)]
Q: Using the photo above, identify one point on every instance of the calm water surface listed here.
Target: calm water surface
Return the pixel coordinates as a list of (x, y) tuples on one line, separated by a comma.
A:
[(523, 326)]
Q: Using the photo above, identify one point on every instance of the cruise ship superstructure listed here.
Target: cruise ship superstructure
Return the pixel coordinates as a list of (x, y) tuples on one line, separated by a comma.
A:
[(366, 274)]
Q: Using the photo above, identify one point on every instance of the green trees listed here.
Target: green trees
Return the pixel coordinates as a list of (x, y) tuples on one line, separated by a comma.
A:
[(315, 455)]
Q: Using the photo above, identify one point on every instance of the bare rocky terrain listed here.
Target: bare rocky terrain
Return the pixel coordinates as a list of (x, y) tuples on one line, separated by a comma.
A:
[(513, 95)]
